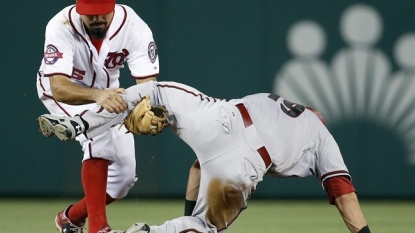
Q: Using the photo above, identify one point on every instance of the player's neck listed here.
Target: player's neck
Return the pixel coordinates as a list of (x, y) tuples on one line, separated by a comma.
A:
[(97, 42)]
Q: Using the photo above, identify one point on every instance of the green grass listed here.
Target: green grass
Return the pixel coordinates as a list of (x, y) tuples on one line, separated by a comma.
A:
[(24, 215)]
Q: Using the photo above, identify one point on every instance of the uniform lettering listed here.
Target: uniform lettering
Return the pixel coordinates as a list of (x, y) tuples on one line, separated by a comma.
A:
[(78, 74), (116, 59), (292, 109), (288, 107)]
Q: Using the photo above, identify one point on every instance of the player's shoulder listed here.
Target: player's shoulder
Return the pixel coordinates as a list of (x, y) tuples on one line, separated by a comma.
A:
[(126, 8), (129, 14), (131, 25), (63, 13), (61, 19)]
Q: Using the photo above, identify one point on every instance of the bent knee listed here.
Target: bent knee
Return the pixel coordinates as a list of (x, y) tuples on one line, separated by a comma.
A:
[(118, 188)]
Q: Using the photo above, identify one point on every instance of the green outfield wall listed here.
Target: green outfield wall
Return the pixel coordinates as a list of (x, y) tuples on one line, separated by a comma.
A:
[(354, 61)]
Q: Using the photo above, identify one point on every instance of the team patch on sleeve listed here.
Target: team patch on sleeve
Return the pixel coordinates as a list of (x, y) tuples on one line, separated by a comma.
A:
[(152, 51), (51, 55)]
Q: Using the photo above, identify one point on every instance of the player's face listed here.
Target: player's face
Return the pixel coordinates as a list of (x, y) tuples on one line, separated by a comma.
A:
[(97, 25)]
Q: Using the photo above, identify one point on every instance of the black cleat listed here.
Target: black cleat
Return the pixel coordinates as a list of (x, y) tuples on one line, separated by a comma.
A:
[(65, 128)]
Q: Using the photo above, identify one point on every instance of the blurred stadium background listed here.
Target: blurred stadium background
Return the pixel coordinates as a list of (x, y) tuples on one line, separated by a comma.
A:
[(354, 60)]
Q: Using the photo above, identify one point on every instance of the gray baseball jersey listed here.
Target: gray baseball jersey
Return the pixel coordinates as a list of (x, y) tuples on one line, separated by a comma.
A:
[(237, 142)]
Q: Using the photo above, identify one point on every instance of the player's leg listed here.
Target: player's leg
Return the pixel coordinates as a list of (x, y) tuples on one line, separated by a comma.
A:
[(64, 223), (64, 220), (182, 224), (122, 172), (99, 154), (192, 189), (226, 184), (72, 219), (90, 122), (94, 181), (75, 215)]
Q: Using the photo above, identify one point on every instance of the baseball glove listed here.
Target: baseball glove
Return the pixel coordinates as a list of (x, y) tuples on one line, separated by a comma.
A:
[(145, 119)]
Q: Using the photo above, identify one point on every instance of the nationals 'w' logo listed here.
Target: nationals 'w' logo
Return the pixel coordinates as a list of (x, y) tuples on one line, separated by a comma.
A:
[(116, 58)]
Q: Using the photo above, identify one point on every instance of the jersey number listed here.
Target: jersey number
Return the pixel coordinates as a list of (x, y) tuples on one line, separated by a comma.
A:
[(288, 107)]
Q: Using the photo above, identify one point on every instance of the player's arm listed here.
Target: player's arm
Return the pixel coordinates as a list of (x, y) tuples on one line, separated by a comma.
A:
[(65, 91), (350, 210), (143, 60), (192, 191)]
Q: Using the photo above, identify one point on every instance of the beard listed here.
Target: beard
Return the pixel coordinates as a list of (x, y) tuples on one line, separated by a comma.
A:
[(98, 33)]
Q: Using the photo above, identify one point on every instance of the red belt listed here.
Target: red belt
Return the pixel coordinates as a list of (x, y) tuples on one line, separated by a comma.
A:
[(248, 121)]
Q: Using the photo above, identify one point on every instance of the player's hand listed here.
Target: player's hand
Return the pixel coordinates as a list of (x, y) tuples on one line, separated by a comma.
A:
[(111, 100)]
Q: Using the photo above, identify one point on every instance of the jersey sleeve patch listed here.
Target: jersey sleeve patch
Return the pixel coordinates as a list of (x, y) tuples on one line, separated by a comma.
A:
[(51, 55), (152, 51)]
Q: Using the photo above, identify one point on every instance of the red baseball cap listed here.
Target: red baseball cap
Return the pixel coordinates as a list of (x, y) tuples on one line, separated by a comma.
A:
[(95, 7)]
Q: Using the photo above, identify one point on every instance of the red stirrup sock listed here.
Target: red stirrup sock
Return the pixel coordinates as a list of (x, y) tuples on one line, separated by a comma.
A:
[(78, 212), (94, 180)]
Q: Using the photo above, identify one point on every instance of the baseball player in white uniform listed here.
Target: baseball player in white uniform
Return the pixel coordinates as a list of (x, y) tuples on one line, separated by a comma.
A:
[(86, 44), (236, 143)]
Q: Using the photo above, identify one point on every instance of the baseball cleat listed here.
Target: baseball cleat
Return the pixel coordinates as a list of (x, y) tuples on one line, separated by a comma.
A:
[(139, 227), (64, 224), (65, 128)]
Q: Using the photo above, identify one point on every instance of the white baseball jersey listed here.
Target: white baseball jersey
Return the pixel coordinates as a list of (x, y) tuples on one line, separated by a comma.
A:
[(235, 147), (68, 51)]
